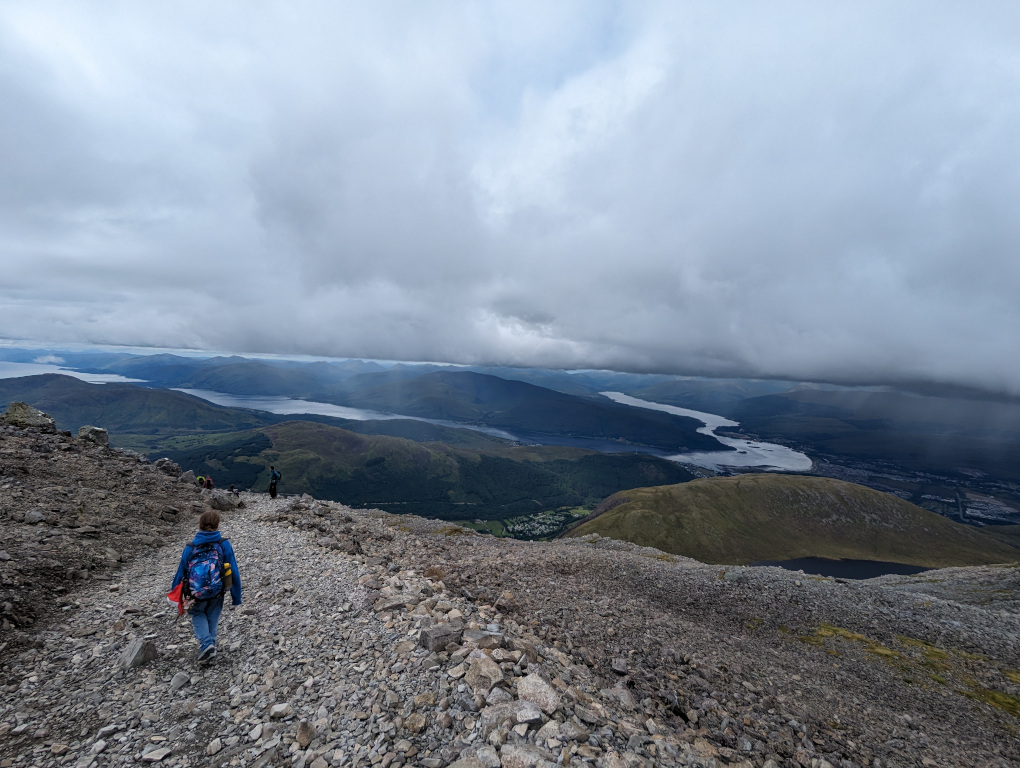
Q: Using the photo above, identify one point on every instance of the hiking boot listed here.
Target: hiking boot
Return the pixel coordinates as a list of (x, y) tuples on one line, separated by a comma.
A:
[(207, 653)]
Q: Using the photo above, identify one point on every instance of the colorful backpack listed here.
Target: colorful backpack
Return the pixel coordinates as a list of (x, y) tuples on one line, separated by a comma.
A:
[(205, 570)]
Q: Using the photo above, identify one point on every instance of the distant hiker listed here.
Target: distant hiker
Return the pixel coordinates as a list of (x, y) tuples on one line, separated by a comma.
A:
[(200, 481), (274, 478), (208, 483), (233, 490), (206, 571)]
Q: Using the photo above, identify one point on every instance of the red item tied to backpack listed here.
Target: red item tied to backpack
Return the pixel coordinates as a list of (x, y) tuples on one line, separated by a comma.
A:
[(174, 596)]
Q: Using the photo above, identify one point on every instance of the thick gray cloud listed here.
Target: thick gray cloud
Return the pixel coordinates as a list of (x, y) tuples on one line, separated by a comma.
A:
[(802, 190)]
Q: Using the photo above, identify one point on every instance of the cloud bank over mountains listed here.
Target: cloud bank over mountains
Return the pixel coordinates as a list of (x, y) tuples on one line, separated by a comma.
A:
[(794, 190)]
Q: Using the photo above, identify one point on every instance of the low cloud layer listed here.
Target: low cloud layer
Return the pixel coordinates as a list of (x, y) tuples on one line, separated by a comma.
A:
[(801, 190)]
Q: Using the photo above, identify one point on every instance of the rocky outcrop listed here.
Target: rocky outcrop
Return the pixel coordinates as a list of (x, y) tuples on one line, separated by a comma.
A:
[(96, 435), (71, 511), (23, 416)]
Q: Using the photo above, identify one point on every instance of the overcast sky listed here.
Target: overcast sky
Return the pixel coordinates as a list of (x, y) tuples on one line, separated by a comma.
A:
[(824, 191)]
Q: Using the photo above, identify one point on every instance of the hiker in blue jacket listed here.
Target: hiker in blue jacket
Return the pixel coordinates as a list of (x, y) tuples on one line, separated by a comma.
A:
[(208, 569)]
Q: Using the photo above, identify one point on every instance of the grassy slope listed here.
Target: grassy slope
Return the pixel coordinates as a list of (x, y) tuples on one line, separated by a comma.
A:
[(750, 518)]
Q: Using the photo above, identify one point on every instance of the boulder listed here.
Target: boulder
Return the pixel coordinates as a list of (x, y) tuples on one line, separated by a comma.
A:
[(137, 653), (437, 637), (167, 466), (482, 674), (481, 638), (280, 711), (187, 477), (536, 690), (24, 416), (222, 500), (305, 734), (96, 435), (525, 756), (415, 722)]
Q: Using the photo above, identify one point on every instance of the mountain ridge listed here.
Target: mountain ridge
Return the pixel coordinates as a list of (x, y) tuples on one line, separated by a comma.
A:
[(663, 660)]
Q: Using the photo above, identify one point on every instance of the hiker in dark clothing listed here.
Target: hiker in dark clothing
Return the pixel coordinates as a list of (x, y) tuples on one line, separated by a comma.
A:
[(208, 483), (208, 569), (274, 478)]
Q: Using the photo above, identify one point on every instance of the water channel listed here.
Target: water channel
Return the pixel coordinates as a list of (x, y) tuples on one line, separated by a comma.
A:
[(746, 454)]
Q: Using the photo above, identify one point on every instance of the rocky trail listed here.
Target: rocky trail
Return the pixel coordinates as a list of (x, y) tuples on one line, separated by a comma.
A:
[(369, 639)]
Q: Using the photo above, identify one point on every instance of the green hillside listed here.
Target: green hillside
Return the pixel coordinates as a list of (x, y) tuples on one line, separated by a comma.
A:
[(429, 479), (750, 518)]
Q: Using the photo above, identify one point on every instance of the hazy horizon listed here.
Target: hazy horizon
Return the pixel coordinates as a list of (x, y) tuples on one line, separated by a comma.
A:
[(792, 191)]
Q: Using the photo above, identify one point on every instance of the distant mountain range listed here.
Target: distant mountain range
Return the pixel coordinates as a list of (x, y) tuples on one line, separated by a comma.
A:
[(954, 452), (429, 479), (396, 464), (922, 433)]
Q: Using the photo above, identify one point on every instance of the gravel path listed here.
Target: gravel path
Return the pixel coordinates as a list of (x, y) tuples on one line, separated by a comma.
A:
[(379, 640)]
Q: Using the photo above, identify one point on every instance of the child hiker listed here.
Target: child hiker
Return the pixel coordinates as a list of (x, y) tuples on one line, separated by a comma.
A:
[(207, 570)]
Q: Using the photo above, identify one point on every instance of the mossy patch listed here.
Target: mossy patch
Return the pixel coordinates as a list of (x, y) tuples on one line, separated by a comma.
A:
[(998, 699), (826, 631)]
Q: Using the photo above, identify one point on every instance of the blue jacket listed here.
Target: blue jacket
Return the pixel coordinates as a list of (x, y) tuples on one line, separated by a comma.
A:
[(204, 537)]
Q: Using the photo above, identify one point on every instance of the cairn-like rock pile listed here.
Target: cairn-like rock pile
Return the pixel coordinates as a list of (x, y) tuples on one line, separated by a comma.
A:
[(368, 639)]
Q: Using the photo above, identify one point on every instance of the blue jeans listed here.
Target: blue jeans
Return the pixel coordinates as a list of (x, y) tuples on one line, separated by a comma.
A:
[(205, 615)]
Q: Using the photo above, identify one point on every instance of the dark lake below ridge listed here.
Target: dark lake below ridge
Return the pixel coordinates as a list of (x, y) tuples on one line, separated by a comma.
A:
[(845, 569)]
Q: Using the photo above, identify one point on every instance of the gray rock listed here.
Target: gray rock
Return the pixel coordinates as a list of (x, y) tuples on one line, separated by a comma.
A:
[(527, 712), (524, 756), (137, 653), (482, 674), (415, 723), (280, 711), (389, 603), (222, 501), (156, 755), (483, 639), (34, 516), (305, 734), (23, 416), (96, 435), (488, 757), (167, 466), (187, 477), (533, 688), (179, 681), (467, 762), (572, 732), (437, 637)]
